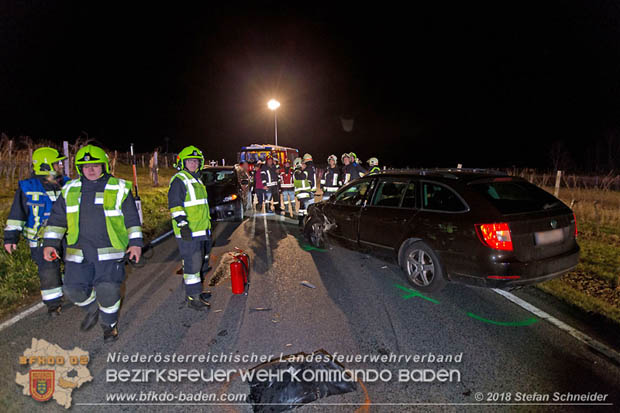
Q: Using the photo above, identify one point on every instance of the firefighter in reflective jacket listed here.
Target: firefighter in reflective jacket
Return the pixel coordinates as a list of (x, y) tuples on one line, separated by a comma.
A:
[(29, 213), (374, 166), (331, 179), (303, 188), (288, 187), (191, 222), (98, 215)]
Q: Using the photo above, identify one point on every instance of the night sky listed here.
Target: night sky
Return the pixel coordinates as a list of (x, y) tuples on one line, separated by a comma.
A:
[(486, 85)]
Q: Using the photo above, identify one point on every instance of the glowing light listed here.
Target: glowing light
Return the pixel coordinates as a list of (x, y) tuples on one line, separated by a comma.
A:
[(273, 104)]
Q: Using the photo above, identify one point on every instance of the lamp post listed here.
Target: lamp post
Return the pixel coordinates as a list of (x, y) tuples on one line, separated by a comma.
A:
[(274, 105)]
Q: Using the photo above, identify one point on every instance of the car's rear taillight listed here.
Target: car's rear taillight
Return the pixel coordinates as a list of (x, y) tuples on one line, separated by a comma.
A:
[(496, 236), (575, 217)]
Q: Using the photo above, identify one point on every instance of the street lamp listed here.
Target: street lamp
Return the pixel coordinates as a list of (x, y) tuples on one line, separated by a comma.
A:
[(274, 105)]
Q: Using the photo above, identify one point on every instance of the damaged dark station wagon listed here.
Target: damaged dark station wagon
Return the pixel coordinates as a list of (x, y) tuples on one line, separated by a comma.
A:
[(469, 226)]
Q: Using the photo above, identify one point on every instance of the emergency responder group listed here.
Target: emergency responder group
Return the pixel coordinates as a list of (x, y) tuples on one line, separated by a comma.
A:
[(92, 223), (271, 184)]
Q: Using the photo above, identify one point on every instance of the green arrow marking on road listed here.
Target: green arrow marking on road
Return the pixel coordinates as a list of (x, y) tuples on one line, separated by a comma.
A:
[(504, 323), (414, 293)]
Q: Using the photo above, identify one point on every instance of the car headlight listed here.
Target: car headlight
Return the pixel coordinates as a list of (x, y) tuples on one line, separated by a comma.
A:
[(230, 198)]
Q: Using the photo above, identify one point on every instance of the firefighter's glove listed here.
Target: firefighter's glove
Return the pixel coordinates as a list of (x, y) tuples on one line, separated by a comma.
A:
[(186, 233)]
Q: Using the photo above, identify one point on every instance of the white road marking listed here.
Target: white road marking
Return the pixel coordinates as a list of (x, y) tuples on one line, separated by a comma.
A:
[(584, 338), (267, 246), (21, 315)]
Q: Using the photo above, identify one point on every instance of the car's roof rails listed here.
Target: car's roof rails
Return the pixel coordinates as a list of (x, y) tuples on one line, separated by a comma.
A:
[(450, 173)]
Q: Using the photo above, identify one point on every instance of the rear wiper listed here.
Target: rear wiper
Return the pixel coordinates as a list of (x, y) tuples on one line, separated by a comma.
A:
[(551, 205)]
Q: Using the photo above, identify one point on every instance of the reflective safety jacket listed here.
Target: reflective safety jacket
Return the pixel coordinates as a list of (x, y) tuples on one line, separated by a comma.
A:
[(311, 172), (99, 219), (374, 170), (302, 184), (331, 180), (31, 209), (286, 179), (269, 176), (187, 200)]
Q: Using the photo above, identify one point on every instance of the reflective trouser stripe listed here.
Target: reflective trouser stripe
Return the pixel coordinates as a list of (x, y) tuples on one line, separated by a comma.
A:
[(191, 278), (89, 300), (51, 293), (111, 310)]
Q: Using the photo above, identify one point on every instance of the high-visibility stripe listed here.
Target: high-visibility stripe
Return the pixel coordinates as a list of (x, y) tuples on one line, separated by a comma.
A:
[(99, 198), (52, 232), (93, 297), (195, 202), (14, 225), (74, 255), (113, 212), (178, 214), (110, 253), (73, 209), (199, 233), (51, 293), (134, 232), (190, 279), (112, 309)]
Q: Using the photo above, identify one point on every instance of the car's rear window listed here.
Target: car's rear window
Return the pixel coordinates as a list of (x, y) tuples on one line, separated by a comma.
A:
[(512, 197)]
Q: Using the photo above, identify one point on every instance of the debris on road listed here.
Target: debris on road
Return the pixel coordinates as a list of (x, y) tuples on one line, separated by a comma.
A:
[(289, 345), (223, 333), (385, 266), (217, 311), (252, 310), (279, 396), (222, 271), (307, 284)]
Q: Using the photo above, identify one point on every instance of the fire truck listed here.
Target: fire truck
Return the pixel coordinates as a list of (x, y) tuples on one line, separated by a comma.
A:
[(256, 152)]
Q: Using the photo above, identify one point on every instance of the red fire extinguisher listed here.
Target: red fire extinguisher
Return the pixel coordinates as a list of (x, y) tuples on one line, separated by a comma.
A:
[(239, 271), (237, 277)]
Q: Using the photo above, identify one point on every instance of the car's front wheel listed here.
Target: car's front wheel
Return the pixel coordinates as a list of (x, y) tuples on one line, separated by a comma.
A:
[(315, 232), (423, 268)]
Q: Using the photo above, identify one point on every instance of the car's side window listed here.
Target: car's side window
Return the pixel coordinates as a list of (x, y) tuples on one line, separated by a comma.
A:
[(354, 195), (441, 198), (389, 193), (409, 201)]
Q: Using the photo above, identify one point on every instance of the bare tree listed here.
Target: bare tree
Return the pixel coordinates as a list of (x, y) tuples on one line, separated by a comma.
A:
[(559, 156)]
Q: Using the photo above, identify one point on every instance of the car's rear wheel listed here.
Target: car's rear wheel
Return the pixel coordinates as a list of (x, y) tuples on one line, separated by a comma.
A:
[(423, 268), (315, 232)]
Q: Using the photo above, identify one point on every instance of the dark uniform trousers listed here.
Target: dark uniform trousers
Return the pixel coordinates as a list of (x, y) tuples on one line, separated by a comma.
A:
[(49, 276), (88, 284), (195, 255)]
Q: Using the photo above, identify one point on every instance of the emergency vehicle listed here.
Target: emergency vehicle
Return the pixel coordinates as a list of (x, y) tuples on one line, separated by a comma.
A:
[(256, 152)]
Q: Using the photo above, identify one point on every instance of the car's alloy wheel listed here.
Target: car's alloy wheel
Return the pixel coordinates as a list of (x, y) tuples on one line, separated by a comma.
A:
[(420, 268), (316, 234)]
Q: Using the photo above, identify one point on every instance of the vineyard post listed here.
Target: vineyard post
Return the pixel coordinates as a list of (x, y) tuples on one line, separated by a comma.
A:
[(558, 178), (155, 177), (67, 162)]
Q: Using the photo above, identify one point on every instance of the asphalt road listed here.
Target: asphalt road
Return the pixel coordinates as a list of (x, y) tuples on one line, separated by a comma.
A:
[(359, 307)]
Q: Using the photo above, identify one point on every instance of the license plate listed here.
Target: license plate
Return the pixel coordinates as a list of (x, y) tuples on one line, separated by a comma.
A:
[(549, 237)]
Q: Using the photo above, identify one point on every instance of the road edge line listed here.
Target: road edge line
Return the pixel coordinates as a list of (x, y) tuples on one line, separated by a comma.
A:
[(582, 337), (23, 314)]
